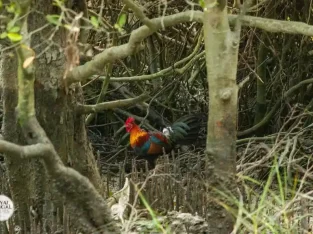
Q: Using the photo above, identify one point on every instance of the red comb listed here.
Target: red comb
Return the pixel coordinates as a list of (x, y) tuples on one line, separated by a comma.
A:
[(130, 120)]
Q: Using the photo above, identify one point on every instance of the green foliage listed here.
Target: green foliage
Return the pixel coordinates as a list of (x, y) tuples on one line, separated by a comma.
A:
[(58, 3), (121, 21), (3, 35), (151, 212), (54, 19), (94, 21), (14, 37), (201, 3), (12, 30), (12, 8), (267, 206)]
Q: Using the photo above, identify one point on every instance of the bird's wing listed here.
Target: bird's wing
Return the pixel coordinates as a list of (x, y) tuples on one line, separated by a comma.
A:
[(147, 143), (158, 142), (158, 138)]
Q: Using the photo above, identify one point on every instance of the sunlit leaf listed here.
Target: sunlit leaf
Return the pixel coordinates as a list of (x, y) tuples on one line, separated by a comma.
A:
[(53, 19), (28, 61), (14, 36), (94, 21), (1, 4), (15, 29), (121, 21)]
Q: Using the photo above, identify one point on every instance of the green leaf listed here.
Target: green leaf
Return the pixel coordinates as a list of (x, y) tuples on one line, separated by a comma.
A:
[(11, 8), (1, 4), (58, 3), (15, 29), (10, 24), (119, 29), (15, 37), (121, 21), (3, 35), (201, 3), (53, 19), (94, 21)]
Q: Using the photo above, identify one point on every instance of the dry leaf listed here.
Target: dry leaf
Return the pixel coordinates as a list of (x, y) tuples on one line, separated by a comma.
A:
[(28, 61)]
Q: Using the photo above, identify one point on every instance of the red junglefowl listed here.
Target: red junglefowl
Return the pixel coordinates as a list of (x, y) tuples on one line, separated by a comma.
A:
[(149, 145)]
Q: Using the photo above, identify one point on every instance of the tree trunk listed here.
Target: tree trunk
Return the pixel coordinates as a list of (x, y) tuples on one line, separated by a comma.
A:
[(221, 46), (18, 172), (55, 110)]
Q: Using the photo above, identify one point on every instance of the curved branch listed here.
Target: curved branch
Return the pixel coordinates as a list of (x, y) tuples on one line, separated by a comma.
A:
[(167, 71), (87, 206), (111, 54), (275, 107), (139, 13), (86, 109), (23, 152)]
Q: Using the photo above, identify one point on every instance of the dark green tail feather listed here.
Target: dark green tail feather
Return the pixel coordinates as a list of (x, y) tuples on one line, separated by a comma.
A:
[(185, 130)]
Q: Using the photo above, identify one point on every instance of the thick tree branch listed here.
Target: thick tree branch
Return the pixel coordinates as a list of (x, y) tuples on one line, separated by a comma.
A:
[(23, 152), (86, 109), (95, 66), (165, 72), (111, 54), (274, 26)]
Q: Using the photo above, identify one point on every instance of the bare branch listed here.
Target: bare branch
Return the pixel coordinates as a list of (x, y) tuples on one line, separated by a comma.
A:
[(111, 54), (85, 109), (274, 26), (139, 13), (165, 72)]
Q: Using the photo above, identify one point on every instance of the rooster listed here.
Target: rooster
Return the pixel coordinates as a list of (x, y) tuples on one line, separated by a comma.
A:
[(150, 145)]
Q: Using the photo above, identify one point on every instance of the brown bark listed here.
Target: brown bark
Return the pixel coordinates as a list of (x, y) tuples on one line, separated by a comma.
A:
[(54, 108), (18, 171)]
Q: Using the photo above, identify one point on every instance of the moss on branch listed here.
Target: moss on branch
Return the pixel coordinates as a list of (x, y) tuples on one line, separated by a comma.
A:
[(25, 75), (26, 96)]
